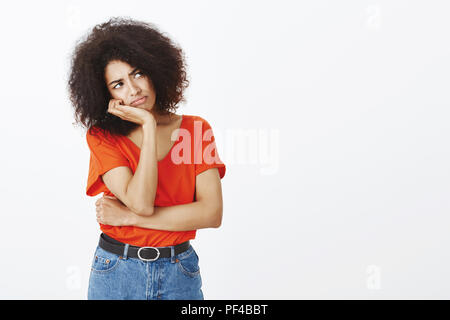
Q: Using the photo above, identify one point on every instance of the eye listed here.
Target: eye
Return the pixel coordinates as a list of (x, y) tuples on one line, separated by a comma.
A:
[(141, 74), (115, 87)]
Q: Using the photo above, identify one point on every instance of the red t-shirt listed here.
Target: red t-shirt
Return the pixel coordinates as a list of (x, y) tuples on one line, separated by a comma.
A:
[(193, 152)]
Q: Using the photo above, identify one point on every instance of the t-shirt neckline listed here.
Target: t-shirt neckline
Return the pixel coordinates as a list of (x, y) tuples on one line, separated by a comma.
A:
[(173, 145)]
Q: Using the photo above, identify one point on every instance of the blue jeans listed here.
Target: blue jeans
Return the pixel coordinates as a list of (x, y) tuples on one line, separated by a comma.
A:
[(120, 277)]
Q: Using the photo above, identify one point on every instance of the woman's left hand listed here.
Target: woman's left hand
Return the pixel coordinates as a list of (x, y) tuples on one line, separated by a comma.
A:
[(111, 211)]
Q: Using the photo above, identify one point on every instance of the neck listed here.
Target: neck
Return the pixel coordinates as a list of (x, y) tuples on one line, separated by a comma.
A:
[(162, 118)]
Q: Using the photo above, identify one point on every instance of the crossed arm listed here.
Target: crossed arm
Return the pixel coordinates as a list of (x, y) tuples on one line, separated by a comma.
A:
[(205, 212)]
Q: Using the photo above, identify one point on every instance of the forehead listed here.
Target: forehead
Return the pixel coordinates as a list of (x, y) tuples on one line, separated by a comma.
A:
[(117, 68)]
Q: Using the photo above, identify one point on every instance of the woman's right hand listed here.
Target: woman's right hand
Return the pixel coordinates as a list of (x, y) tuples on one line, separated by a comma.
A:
[(129, 113)]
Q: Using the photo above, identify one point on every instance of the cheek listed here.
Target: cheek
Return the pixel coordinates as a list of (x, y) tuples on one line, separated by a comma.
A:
[(116, 94)]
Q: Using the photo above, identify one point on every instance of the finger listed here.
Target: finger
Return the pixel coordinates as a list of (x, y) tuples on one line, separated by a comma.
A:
[(121, 107), (118, 107), (110, 105), (111, 109), (117, 112), (109, 197), (117, 103)]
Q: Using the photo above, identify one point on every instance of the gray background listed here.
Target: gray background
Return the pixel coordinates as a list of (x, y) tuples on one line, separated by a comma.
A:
[(332, 119)]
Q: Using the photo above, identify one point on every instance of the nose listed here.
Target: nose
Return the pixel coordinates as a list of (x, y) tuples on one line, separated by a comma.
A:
[(134, 89)]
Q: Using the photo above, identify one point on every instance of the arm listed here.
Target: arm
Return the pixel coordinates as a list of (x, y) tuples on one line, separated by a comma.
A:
[(206, 212), (184, 217), (137, 191)]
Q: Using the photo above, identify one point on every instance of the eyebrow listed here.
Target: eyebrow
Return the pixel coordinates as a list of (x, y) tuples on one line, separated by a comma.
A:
[(134, 70)]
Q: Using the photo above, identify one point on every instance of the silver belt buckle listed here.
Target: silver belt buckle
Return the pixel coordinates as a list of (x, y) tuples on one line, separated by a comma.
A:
[(139, 255)]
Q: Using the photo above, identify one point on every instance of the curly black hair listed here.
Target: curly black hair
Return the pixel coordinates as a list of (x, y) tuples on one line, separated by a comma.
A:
[(141, 45)]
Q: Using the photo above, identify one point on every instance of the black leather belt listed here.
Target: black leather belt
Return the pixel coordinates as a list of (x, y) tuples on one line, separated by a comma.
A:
[(144, 253)]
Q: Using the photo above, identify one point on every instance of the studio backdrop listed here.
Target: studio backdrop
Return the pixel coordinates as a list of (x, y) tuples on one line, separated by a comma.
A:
[(332, 120)]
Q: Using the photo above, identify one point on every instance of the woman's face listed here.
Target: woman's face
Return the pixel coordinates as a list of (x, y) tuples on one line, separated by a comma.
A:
[(129, 84)]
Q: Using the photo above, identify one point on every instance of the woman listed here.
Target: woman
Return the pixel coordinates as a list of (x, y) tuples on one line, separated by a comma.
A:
[(159, 172)]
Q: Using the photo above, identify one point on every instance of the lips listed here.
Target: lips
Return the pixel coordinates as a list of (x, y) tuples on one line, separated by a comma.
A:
[(139, 101)]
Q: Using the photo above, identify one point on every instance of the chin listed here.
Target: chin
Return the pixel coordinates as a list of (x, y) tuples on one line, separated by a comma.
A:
[(146, 107)]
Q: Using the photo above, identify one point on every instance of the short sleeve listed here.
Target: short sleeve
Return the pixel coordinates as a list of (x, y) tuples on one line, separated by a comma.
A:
[(104, 156), (206, 155)]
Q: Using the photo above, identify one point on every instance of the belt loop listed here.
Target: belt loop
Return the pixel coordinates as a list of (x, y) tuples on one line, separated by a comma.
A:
[(125, 251), (172, 254)]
